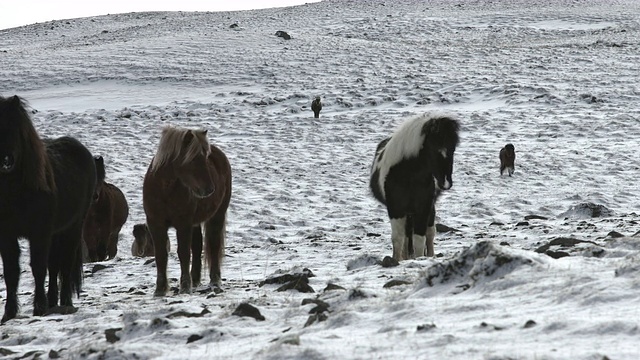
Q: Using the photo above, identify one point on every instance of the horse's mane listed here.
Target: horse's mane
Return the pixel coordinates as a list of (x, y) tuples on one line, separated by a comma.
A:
[(37, 172), (436, 129), (179, 145)]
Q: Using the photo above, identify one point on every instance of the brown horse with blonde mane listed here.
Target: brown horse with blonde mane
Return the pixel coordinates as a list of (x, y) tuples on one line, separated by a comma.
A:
[(188, 184)]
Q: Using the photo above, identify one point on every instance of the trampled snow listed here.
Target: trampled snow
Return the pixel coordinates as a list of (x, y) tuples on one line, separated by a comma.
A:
[(558, 79)]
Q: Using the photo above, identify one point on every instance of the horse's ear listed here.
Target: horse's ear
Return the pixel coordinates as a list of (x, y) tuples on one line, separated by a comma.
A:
[(16, 101), (203, 132), (99, 159)]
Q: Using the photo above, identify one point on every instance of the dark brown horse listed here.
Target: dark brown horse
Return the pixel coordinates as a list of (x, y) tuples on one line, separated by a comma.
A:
[(105, 218), (46, 187), (188, 183), (507, 159), (143, 245)]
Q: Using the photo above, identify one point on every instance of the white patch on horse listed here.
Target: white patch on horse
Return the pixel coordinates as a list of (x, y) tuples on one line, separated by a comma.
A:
[(431, 234), (398, 238), (419, 242), (405, 143), (443, 152)]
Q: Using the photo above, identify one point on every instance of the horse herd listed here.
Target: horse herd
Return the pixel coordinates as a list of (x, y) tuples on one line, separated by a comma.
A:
[(53, 192)]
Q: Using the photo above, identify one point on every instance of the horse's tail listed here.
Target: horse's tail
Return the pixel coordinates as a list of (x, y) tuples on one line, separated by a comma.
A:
[(76, 271)]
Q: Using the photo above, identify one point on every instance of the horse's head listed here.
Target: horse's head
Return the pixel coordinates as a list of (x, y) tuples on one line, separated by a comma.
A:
[(11, 112), (140, 240), (100, 176), (193, 170), (441, 139)]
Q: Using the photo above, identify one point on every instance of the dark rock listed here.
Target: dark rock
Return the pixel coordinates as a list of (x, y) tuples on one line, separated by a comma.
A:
[(426, 327), (614, 234), (441, 228), (331, 286), (315, 317), (248, 310), (373, 235), (393, 283), (233, 26), (530, 324), (111, 336), (504, 243), (388, 262), (535, 217), (285, 278), (321, 306), (496, 223), (301, 284), (98, 267), (523, 223), (283, 35), (586, 210), (182, 313), (54, 354), (193, 338), (562, 244)]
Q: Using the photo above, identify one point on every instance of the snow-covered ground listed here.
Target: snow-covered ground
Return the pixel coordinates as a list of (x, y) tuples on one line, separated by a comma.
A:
[(558, 79)]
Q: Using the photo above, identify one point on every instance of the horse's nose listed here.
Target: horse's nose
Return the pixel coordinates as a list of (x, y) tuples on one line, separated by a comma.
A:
[(207, 191)]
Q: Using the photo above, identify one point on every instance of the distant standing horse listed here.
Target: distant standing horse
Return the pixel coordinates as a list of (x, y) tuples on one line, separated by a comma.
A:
[(187, 184), (409, 171), (46, 188), (507, 159), (105, 218)]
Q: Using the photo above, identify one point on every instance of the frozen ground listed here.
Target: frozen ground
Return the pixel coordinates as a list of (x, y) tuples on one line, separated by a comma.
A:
[(558, 79)]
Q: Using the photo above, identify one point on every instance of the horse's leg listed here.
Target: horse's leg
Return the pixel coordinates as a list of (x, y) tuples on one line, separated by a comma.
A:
[(214, 233), (183, 233), (431, 230), (55, 255), (418, 236), (39, 253), (71, 263), (398, 237), (160, 239), (196, 255), (112, 249), (10, 252)]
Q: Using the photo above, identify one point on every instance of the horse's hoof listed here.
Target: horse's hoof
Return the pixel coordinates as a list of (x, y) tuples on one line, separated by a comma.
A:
[(160, 293), (62, 310)]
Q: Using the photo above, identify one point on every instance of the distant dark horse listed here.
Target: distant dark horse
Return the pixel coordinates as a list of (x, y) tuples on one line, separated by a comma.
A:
[(187, 184), (316, 106), (507, 159), (409, 171), (142, 245), (46, 188), (105, 218)]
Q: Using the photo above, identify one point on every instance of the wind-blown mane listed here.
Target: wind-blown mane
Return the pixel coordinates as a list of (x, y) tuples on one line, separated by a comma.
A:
[(437, 130), (179, 145), (36, 170)]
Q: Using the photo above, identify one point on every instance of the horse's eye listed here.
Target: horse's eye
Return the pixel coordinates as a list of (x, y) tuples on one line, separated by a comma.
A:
[(7, 163)]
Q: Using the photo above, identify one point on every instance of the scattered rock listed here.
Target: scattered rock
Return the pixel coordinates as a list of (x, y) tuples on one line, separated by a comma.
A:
[(585, 211), (193, 338), (530, 324), (248, 310), (535, 217), (393, 283), (496, 223), (331, 286), (614, 234), (62, 310), (484, 260), (182, 313), (321, 306), (233, 26), (373, 235), (388, 262), (98, 267), (53, 354), (363, 261), (489, 326), (559, 247), (441, 228), (111, 336), (283, 35), (280, 278), (5, 352), (315, 317), (523, 223), (426, 327)]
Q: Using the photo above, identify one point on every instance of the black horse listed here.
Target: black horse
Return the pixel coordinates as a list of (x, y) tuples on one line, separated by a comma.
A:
[(409, 171), (46, 188)]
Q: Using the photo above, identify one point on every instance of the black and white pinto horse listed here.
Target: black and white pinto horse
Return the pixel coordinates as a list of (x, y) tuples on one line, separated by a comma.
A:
[(410, 170)]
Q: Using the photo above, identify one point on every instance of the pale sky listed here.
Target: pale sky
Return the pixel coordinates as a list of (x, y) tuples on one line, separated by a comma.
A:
[(23, 12)]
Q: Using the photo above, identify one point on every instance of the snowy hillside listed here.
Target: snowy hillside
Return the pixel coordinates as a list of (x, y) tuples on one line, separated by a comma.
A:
[(558, 79)]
